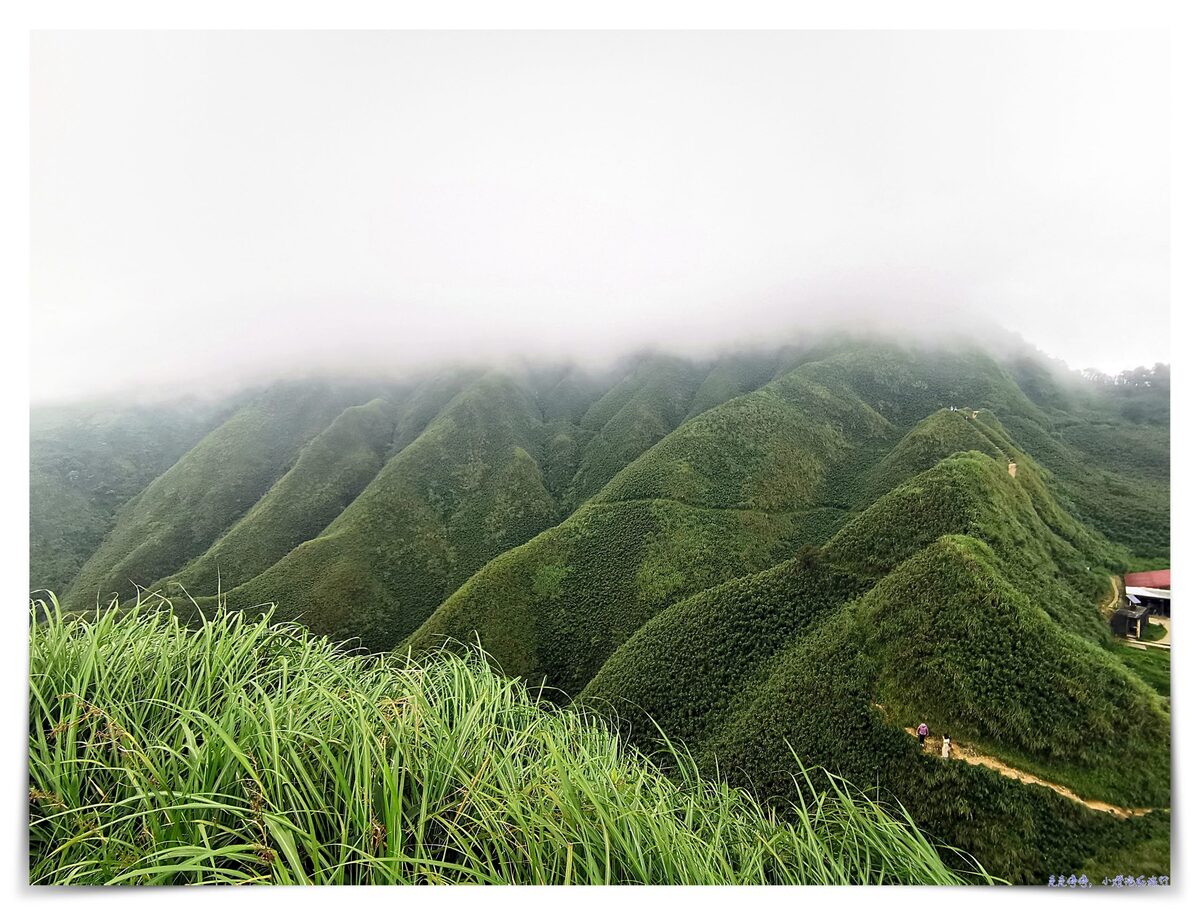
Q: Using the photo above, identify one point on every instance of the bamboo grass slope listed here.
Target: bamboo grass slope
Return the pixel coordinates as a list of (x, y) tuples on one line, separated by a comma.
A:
[(85, 464), (179, 515), (248, 751), (758, 549), (946, 623), (766, 431)]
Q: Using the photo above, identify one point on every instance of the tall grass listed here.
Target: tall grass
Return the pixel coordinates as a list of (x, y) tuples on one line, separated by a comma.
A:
[(244, 750)]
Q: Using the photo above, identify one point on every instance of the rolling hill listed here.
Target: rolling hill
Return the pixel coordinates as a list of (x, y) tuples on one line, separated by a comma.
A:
[(86, 462), (774, 554), (183, 511)]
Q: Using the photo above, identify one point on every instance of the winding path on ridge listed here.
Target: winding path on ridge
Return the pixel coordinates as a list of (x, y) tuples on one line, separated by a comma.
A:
[(975, 758)]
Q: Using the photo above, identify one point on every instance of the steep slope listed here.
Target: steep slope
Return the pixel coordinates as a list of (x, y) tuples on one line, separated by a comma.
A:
[(937, 436), (632, 416), (415, 407), (800, 549), (769, 451), (556, 607), (179, 515), (816, 700), (906, 383), (590, 429), (686, 669), (1108, 446), (951, 638), (488, 473), (738, 373), (1108, 463), (801, 658), (729, 492), (85, 463), (1126, 498), (465, 490), (712, 642), (1053, 557), (384, 770), (759, 475), (329, 473)]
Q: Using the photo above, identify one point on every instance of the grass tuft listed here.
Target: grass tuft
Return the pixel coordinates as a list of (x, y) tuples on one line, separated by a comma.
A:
[(244, 750)]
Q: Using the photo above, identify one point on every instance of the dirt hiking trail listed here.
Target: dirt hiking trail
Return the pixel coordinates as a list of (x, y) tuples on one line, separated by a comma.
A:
[(933, 746), (1115, 597)]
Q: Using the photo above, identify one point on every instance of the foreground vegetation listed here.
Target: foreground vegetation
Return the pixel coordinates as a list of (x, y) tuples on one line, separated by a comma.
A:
[(249, 751), (798, 550)]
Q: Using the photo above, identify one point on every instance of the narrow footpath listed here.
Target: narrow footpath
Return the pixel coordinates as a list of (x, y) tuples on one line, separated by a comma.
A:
[(933, 746), (1115, 598)]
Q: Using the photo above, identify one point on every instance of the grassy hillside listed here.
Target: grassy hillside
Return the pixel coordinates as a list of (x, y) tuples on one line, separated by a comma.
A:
[(1109, 449), (558, 606), (772, 550), (1105, 450), (685, 670), (466, 489), (766, 444), (251, 752), (1057, 561), (491, 472), (179, 515), (633, 415), (904, 384), (85, 463), (740, 487), (328, 475), (901, 609), (769, 450), (739, 373), (731, 491), (937, 436), (967, 494), (798, 660), (953, 641), (816, 699), (1153, 667)]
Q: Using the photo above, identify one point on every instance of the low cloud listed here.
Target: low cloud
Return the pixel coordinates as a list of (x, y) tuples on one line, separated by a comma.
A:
[(213, 207)]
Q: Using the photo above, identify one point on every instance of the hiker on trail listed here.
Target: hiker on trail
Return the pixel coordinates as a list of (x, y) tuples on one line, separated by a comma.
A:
[(945, 746), (922, 733)]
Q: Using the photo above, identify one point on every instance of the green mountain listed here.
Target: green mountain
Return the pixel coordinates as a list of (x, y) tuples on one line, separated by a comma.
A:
[(809, 658), (733, 490), (85, 463), (465, 490), (182, 512), (329, 473), (772, 555)]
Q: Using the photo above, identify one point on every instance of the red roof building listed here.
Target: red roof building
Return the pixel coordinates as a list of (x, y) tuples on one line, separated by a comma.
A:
[(1160, 579)]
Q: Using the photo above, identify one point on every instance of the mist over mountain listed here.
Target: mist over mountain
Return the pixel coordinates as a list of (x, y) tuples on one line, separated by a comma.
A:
[(797, 548), (589, 457), (342, 200), (374, 358)]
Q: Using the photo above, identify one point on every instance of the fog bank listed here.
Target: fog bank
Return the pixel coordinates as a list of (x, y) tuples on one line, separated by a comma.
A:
[(208, 207)]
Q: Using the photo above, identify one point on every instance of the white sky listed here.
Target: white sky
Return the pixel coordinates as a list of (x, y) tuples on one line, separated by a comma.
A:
[(211, 206)]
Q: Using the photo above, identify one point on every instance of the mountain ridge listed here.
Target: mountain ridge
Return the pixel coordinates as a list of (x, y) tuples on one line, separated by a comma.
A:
[(695, 544)]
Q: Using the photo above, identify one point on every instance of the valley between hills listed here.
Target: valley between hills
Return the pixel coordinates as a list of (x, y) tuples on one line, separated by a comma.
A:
[(779, 559)]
